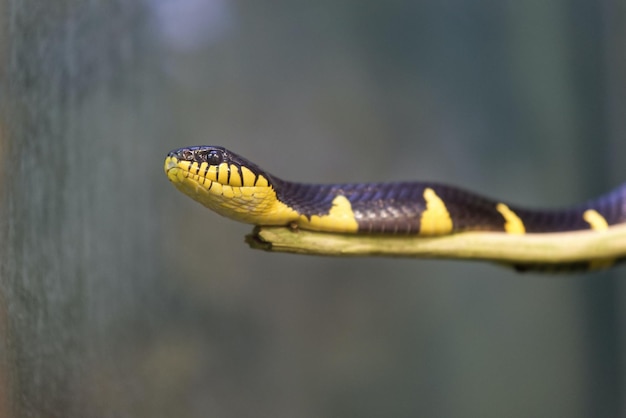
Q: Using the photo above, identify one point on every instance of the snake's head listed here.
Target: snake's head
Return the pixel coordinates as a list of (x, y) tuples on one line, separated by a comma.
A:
[(221, 180), (214, 164)]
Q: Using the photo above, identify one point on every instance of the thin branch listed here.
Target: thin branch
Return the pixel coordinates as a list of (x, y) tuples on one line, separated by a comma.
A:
[(564, 247)]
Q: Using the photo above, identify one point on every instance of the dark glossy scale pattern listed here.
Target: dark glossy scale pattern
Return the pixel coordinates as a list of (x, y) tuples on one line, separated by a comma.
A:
[(611, 206), (396, 208)]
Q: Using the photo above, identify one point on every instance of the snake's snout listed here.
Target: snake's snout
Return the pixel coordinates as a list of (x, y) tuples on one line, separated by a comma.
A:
[(170, 162), (182, 154)]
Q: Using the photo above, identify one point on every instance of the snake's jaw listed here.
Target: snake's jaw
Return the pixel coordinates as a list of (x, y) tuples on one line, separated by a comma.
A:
[(234, 191)]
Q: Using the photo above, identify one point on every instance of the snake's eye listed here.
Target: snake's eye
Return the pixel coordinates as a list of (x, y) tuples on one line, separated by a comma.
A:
[(214, 157)]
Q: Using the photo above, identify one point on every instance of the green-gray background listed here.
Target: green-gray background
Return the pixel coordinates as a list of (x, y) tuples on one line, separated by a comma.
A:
[(120, 297)]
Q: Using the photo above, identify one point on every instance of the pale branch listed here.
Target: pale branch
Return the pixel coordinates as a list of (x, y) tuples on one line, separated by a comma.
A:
[(549, 248)]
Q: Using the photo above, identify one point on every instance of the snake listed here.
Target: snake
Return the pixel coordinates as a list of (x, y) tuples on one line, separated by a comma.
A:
[(237, 188)]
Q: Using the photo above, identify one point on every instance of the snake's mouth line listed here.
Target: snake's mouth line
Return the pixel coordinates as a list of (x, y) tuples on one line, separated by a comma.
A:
[(198, 179), (174, 164), (201, 180)]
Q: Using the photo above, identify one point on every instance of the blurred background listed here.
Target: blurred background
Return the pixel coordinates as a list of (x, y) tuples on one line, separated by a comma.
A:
[(121, 297)]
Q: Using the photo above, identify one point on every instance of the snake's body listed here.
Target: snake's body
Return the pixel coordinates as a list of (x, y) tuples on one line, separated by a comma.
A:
[(239, 189)]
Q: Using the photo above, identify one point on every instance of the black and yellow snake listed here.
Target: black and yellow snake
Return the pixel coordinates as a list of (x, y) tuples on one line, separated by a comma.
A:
[(239, 189)]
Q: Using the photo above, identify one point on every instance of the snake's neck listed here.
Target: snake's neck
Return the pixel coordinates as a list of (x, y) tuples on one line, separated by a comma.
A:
[(319, 207), (307, 199)]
